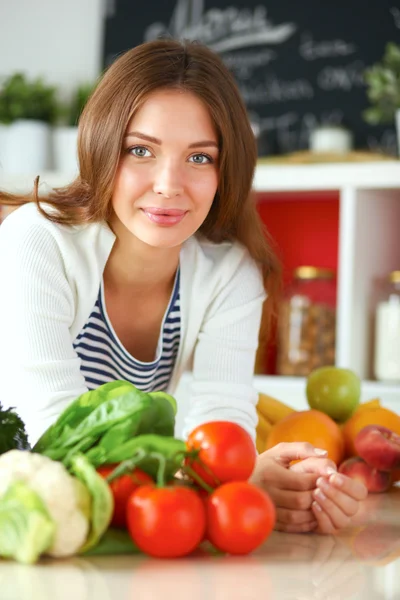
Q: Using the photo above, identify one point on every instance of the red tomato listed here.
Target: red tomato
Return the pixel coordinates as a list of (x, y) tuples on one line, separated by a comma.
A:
[(240, 517), (226, 450), (166, 522), (122, 488)]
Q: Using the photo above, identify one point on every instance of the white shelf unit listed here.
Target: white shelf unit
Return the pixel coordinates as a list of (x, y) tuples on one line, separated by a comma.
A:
[(369, 248), (333, 176)]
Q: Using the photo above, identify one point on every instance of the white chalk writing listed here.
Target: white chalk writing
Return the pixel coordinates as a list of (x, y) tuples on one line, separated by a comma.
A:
[(243, 64), (293, 131), (311, 50), (344, 77), (276, 90), (222, 29), (396, 16)]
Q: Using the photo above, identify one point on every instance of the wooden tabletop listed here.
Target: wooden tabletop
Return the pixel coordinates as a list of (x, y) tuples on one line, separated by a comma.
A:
[(362, 562)]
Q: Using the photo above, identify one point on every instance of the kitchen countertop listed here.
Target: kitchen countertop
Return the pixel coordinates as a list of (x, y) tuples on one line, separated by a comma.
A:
[(362, 562)]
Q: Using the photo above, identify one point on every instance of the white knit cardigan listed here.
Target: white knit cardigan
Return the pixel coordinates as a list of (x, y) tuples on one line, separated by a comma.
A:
[(50, 277)]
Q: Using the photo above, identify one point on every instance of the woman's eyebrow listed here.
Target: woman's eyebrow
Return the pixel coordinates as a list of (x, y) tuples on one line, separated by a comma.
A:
[(205, 143), (143, 136), (154, 140)]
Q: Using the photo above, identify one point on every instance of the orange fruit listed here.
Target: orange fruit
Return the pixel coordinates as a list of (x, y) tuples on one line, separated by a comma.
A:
[(368, 416), (311, 426)]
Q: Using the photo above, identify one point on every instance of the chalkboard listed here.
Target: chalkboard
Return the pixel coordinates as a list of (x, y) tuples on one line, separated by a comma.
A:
[(298, 63)]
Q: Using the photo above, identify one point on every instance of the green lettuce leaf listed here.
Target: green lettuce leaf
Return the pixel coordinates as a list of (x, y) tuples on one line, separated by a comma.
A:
[(167, 397), (164, 423), (114, 541), (102, 500), (78, 410)]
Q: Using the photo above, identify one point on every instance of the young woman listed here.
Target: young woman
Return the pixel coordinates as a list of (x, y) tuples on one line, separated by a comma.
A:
[(154, 261)]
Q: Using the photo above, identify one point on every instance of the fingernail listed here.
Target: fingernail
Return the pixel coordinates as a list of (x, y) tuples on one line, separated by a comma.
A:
[(316, 506), (320, 452), (336, 479), (321, 482), (319, 493), (330, 471)]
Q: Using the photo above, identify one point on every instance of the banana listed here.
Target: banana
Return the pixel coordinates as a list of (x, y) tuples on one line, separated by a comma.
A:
[(271, 408), (263, 426), (262, 431), (374, 403), (260, 444)]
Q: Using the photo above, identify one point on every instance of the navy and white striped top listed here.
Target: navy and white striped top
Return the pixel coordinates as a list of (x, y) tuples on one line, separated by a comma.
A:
[(103, 357)]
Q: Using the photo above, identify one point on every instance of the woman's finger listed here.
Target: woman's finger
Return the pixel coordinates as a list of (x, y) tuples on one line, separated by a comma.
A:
[(337, 516), (338, 498), (291, 499), (351, 487), (325, 525), (285, 453), (268, 473), (321, 466), (297, 482), (296, 528), (343, 501), (294, 517)]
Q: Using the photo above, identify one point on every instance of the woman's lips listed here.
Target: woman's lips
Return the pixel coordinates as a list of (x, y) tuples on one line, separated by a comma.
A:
[(164, 216)]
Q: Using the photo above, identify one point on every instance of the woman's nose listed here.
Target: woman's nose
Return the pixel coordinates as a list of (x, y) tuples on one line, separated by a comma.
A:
[(168, 180)]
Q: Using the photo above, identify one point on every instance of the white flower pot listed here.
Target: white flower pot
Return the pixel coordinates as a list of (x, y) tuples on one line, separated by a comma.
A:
[(3, 144), (28, 147), (65, 147)]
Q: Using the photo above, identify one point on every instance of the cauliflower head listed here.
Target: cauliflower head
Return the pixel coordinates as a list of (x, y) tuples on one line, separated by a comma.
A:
[(65, 497)]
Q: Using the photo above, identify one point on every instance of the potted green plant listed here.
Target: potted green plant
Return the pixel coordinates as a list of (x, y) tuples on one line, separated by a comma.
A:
[(29, 108), (66, 134), (383, 89), (5, 120)]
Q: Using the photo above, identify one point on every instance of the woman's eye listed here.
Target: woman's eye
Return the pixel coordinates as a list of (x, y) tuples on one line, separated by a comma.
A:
[(201, 159), (140, 151)]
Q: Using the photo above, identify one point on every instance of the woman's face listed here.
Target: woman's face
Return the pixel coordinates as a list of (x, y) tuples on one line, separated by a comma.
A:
[(168, 173)]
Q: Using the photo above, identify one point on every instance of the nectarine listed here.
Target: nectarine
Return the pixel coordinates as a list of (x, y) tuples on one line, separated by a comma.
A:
[(374, 480), (379, 447), (368, 416)]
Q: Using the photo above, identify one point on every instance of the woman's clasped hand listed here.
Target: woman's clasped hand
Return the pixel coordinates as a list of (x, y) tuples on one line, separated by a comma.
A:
[(308, 492)]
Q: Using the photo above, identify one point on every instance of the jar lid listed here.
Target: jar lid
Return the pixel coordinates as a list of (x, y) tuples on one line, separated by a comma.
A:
[(394, 277), (308, 272)]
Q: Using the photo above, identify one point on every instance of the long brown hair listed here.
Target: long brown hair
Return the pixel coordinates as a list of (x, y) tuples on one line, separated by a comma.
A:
[(119, 94)]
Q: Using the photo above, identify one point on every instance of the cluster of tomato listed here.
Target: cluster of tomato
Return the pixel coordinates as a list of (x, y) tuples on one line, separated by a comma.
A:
[(213, 500)]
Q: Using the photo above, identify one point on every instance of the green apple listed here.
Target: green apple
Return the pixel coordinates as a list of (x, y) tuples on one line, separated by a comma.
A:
[(334, 391)]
